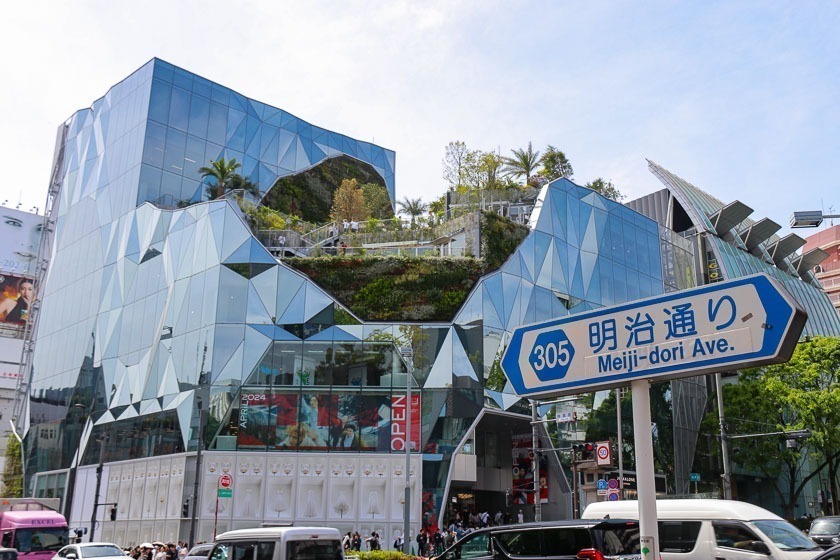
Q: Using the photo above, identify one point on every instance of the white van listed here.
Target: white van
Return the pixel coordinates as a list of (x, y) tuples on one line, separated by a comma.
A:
[(716, 529), (279, 543)]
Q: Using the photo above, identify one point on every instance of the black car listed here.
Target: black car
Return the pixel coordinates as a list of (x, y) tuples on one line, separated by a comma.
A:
[(199, 552), (825, 531), (832, 553), (611, 539)]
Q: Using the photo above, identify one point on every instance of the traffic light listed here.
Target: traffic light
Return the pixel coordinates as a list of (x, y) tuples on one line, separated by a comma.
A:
[(584, 451), (113, 513), (185, 509)]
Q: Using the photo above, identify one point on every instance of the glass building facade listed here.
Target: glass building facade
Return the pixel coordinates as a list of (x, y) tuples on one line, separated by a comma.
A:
[(162, 330)]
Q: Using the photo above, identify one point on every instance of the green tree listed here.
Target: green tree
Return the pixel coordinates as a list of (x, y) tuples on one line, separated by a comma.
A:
[(349, 202), (601, 425), (802, 393), (455, 161), (606, 189), (810, 385), (222, 171), (13, 470), (555, 165), (490, 168), (414, 207), (523, 163), (378, 201)]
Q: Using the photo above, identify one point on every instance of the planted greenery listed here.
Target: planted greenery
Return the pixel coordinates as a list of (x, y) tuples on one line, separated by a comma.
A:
[(395, 288), (499, 238)]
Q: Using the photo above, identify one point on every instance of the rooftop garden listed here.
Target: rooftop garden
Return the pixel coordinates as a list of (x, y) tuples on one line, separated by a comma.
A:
[(302, 220)]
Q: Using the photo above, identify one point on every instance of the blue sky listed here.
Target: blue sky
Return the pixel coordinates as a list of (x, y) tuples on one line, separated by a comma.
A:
[(741, 99)]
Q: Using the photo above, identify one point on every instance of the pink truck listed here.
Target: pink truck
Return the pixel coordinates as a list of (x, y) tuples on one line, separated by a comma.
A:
[(34, 530)]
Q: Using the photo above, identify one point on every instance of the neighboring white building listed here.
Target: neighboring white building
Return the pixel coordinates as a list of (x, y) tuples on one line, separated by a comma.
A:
[(20, 233)]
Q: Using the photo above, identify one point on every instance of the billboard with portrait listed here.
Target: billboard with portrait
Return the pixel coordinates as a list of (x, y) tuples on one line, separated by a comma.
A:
[(20, 237), (16, 294), (316, 421)]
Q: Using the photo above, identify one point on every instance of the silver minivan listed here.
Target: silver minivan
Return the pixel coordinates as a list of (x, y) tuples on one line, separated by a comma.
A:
[(279, 543)]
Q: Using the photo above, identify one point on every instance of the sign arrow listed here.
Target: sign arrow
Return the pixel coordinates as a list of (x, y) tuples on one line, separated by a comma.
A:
[(746, 322)]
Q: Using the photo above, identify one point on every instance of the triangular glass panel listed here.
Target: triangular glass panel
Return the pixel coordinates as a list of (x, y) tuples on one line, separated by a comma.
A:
[(232, 372), (441, 372), (490, 315), (256, 311), (293, 310), (150, 254), (471, 310), (461, 364), (316, 301), (301, 158)]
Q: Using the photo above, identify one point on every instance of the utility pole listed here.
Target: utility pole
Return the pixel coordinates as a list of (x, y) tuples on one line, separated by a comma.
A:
[(724, 444), (408, 355), (620, 444), (535, 445), (99, 468), (202, 417)]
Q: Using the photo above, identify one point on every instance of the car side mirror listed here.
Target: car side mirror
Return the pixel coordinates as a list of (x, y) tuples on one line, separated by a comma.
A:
[(71, 556), (760, 547)]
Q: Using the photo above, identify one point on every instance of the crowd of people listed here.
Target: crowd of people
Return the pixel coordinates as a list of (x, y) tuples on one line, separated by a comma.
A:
[(432, 542), (159, 551)]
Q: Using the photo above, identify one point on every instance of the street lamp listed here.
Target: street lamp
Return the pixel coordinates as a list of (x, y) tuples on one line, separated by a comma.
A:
[(809, 218)]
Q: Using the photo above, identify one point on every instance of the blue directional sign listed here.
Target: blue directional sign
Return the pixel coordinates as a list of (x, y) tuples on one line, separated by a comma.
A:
[(740, 323)]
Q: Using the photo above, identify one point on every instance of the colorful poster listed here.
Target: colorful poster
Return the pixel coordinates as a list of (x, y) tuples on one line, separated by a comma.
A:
[(523, 472), (315, 421), (399, 412), (16, 294)]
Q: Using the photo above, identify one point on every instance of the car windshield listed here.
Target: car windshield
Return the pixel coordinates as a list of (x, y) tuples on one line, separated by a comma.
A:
[(100, 551), (825, 527), (200, 550), (784, 535), (34, 540)]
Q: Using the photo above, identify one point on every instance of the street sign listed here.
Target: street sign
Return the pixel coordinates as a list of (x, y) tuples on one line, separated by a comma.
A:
[(603, 453), (694, 477), (745, 322), (612, 495), (602, 484), (226, 492), (225, 481)]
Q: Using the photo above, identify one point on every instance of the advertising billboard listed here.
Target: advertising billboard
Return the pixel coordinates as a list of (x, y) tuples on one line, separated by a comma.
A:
[(20, 236), (16, 294), (316, 421)]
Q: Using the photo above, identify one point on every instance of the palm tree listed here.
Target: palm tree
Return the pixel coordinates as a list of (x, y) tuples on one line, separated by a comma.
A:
[(414, 207), (523, 162), (221, 170)]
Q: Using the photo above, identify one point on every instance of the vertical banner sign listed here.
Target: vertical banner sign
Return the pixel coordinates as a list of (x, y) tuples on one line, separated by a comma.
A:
[(398, 424)]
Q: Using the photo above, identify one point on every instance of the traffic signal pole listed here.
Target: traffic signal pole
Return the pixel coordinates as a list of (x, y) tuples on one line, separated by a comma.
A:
[(535, 439)]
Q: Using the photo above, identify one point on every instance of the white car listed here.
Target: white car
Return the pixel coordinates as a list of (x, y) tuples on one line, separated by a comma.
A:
[(83, 551)]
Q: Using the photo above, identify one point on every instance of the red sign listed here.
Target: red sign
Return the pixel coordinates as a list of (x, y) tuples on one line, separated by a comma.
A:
[(225, 481), (399, 411)]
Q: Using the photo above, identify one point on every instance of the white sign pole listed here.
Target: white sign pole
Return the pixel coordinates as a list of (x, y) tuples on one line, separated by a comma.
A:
[(644, 469)]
